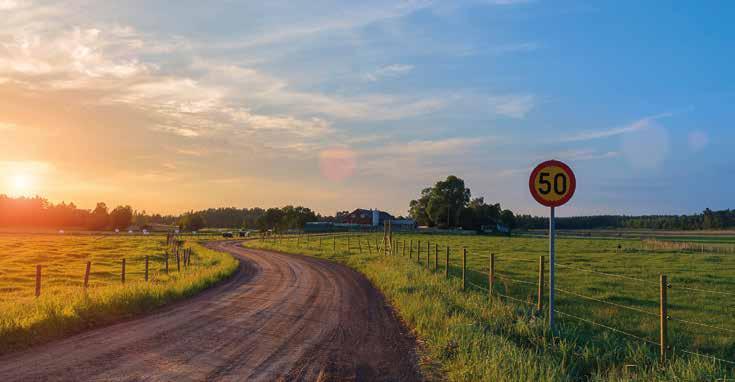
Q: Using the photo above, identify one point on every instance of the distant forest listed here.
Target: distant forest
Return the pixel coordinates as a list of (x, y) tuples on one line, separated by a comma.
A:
[(707, 220), (38, 212)]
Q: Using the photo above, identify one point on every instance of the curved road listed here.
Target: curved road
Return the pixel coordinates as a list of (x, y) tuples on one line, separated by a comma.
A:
[(281, 317)]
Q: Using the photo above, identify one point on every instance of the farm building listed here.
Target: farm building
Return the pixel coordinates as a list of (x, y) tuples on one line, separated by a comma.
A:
[(367, 217)]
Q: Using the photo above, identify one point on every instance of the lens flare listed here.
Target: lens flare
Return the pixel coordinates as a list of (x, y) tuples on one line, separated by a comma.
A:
[(337, 164)]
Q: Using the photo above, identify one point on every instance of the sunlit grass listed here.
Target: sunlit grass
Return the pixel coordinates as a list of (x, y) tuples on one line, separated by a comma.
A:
[(470, 338), (64, 307)]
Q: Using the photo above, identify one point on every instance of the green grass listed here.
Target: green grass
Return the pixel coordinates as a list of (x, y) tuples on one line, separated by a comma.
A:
[(64, 308), (468, 337)]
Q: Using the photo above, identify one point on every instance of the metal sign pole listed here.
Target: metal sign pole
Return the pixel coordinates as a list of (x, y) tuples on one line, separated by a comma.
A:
[(552, 235)]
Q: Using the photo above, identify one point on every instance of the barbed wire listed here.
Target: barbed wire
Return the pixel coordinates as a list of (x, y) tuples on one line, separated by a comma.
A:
[(608, 327), (606, 274), (701, 324), (503, 277), (515, 299), (515, 259), (707, 356), (478, 286), (703, 290), (607, 302)]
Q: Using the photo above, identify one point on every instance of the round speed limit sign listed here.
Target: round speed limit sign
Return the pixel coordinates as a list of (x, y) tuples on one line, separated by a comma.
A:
[(552, 183)]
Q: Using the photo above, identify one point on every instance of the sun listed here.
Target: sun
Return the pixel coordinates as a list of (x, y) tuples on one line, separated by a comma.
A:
[(20, 184)]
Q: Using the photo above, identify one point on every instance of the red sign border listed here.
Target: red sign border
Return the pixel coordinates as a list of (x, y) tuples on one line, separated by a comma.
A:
[(572, 183)]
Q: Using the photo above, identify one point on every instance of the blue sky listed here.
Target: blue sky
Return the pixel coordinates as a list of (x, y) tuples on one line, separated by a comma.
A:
[(339, 105)]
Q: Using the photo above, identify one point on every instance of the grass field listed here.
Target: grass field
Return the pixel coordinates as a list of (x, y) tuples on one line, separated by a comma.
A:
[(64, 307), (472, 339)]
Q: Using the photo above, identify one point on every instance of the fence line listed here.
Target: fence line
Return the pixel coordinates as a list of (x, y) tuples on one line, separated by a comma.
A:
[(608, 327), (707, 356), (503, 277), (606, 274), (701, 324), (662, 284), (607, 302)]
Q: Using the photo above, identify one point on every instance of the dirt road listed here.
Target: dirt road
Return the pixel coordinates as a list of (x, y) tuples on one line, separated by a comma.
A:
[(282, 317)]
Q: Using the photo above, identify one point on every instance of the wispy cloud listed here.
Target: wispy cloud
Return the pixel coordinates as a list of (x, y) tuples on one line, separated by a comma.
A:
[(634, 126), (586, 154), (513, 106), (389, 71)]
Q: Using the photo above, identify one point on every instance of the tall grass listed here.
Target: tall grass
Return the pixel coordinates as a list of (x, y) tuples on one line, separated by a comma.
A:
[(468, 336), (64, 307)]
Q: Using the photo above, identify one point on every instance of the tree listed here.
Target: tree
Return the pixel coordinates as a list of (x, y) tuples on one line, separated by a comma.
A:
[(121, 217), (99, 219), (270, 219), (446, 201), (508, 219), (191, 222), (417, 208)]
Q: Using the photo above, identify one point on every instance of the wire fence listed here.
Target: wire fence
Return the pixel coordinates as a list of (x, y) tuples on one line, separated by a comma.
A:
[(424, 250)]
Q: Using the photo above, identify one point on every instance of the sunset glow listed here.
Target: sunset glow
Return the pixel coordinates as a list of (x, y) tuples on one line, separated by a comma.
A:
[(334, 104), (20, 185)]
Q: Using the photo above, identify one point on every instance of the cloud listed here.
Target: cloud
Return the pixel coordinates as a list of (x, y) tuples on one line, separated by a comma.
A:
[(417, 159), (6, 5), (586, 154), (512, 106), (640, 124), (390, 71)]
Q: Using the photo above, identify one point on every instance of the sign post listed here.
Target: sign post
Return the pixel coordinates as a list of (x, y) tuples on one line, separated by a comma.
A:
[(552, 184)]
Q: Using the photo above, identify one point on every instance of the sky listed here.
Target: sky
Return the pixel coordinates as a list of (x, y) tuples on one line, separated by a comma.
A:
[(176, 105)]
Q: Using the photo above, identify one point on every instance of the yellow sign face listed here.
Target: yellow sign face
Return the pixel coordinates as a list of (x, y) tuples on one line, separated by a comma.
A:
[(552, 183)]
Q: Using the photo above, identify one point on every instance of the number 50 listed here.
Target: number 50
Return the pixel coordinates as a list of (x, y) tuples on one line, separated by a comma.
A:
[(560, 183)]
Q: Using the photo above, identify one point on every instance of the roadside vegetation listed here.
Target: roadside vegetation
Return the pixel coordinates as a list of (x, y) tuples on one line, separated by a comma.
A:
[(468, 336), (64, 307)]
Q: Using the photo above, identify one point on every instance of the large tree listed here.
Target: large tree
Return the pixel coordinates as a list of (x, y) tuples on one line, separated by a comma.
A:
[(442, 204), (446, 201), (417, 209), (192, 222), (121, 217)]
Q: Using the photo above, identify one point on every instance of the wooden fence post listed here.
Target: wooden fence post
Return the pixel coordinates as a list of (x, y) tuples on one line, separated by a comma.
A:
[(464, 269), (436, 257), (359, 243), (418, 249), (38, 280), (146, 268), (410, 250), (540, 302), (334, 243), (428, 255), (446, 270), (403, 248), (86, 274), (664, 318), (178, 262), (491, 275), (122, 272)]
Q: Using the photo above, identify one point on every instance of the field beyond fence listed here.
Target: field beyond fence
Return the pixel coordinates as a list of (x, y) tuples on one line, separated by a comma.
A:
[(54, 285), (608, 291)]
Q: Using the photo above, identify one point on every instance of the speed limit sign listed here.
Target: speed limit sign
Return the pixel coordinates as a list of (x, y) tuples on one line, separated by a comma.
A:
[(552, 184)]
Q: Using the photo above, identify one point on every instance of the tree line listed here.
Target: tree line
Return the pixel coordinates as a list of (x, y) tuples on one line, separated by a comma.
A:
[(39, 212), (707, 220), (449, 204)]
